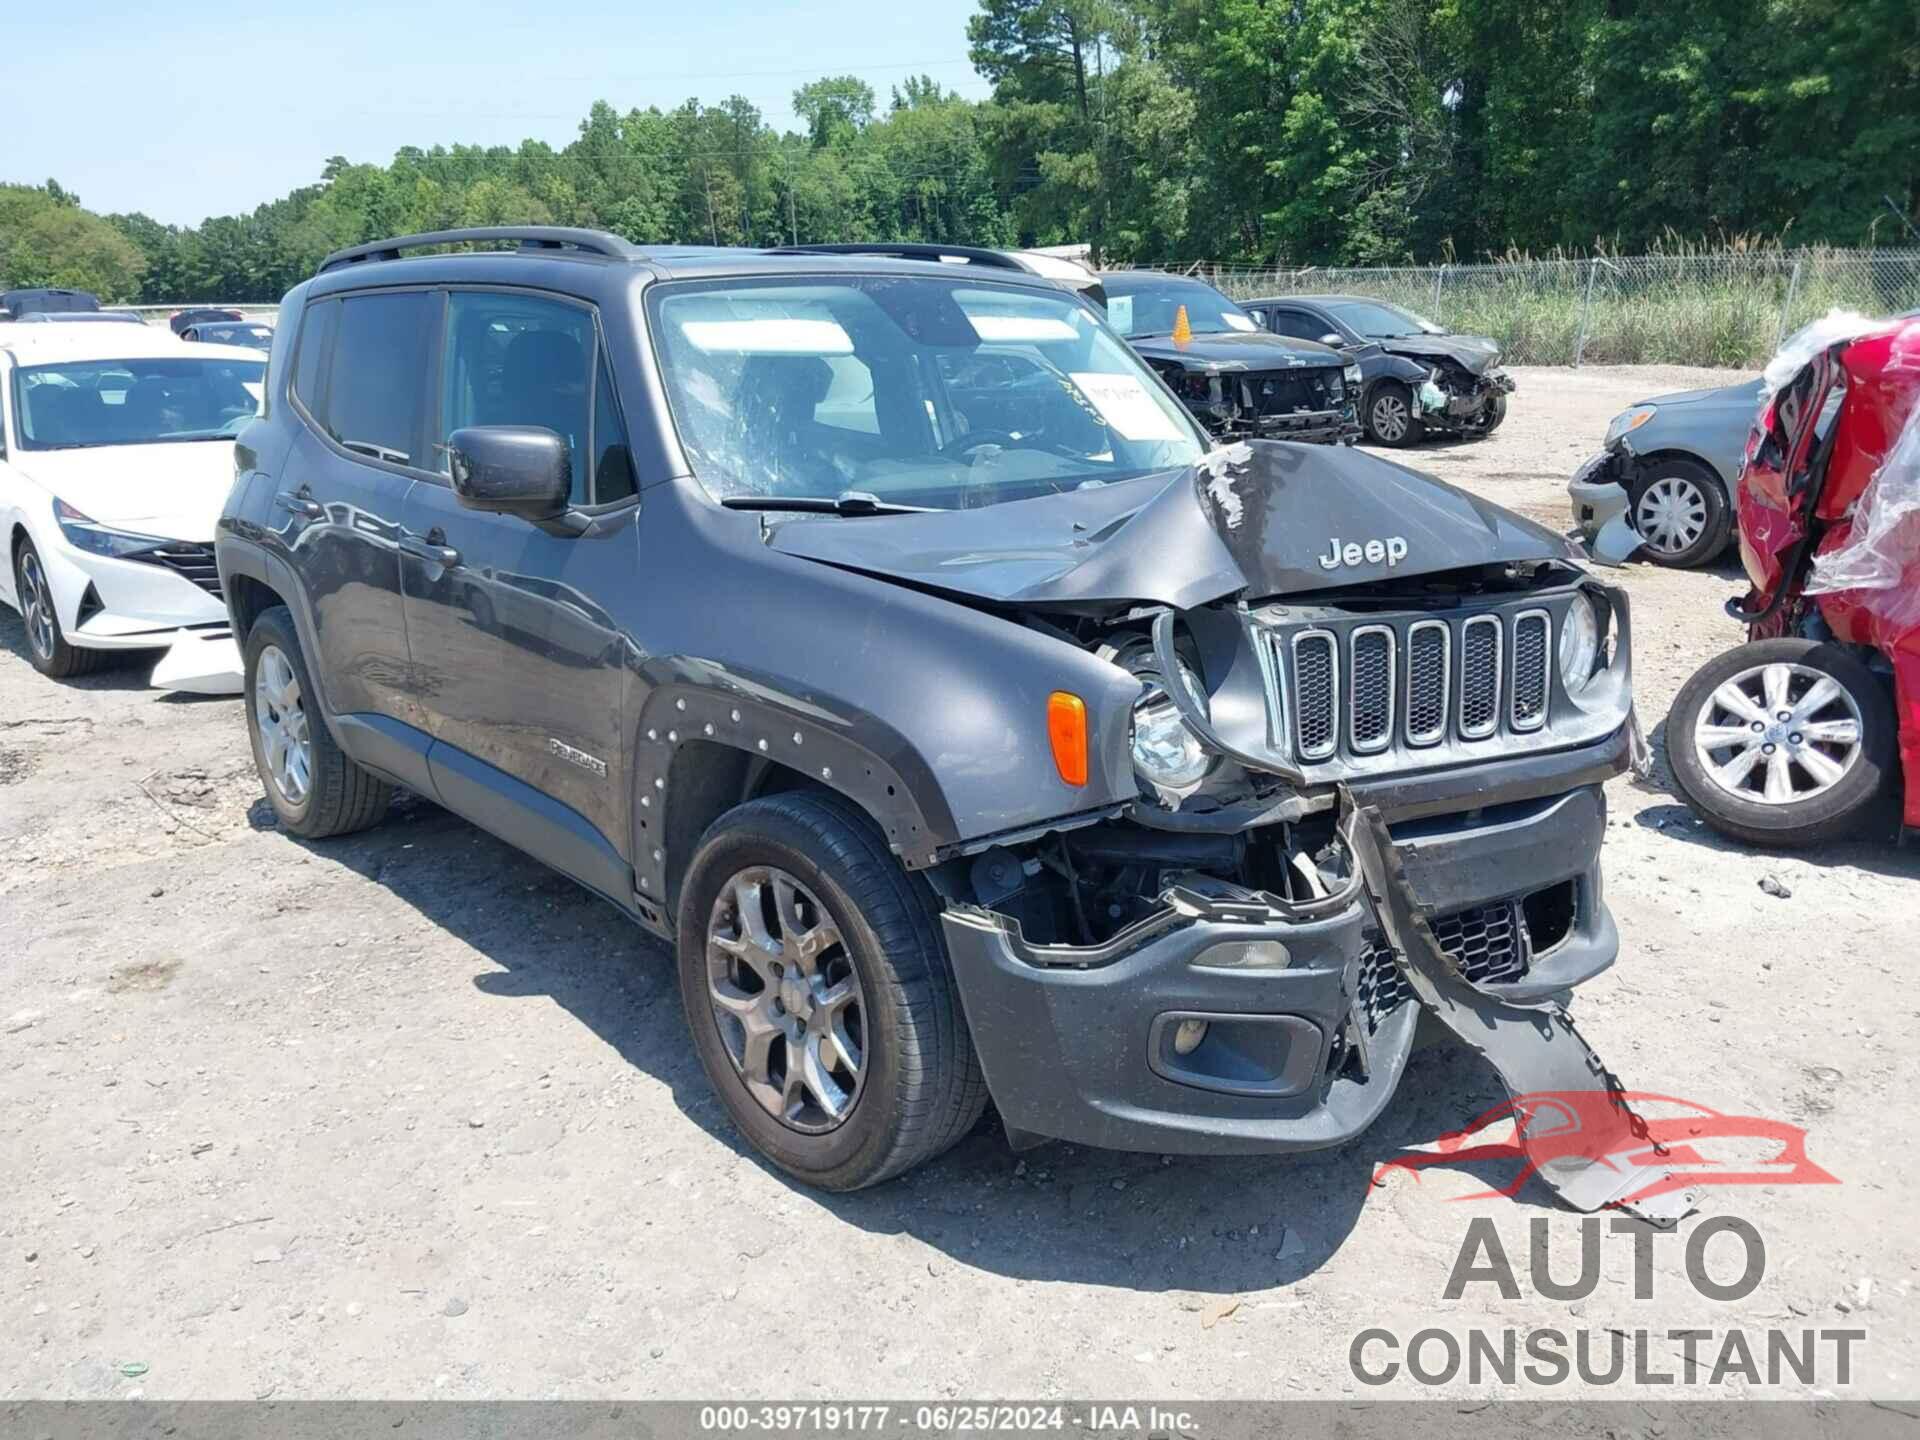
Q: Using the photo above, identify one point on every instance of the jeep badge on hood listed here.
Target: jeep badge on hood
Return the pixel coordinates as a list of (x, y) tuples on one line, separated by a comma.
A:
[(1391, 550)]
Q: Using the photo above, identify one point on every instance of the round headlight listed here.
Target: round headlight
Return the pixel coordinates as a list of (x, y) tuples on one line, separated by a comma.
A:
[(1165, 752), (1579, 645)]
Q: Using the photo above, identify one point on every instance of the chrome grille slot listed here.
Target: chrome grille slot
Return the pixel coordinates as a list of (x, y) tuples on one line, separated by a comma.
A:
[(1370, 688), (1429, 669), (1531, 631), (192, 562), (1480, 677), (1316, 690)]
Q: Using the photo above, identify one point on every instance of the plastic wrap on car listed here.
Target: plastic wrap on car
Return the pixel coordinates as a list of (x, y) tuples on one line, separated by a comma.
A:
[(1881, 551)]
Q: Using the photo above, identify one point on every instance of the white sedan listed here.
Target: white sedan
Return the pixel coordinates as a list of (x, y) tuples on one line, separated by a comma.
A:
[(116, 453)]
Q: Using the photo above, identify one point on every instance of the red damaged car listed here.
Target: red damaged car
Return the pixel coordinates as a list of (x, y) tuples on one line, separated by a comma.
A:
[(1811, 730)]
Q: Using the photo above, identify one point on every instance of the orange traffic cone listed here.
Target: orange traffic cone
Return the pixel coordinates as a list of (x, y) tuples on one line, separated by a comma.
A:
[(1182, 330)]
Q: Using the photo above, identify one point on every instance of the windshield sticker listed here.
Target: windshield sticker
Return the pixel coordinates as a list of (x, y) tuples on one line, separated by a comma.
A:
[(1126, 405), (1120, 313), (1034, 329), (779, 335), (1238, 322)]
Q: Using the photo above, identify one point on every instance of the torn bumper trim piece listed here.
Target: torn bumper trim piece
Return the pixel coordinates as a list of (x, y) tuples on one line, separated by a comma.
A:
[(1077, 1042), (1536, 1051)]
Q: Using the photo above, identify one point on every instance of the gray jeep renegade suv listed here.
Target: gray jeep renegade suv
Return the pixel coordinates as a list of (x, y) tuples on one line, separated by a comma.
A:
[(886, 636)]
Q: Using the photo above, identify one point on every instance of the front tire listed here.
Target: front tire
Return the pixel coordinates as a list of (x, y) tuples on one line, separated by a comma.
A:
[(819, 995), (1392, 417), (1679, 507), (1784, 743), (47, 648), (1491, 417), (315, 788)]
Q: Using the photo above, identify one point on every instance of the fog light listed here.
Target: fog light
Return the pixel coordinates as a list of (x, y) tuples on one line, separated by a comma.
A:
[(1188, 1035)]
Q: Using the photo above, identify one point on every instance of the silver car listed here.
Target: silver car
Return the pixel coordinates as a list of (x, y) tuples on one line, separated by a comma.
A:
[(1670, 464)]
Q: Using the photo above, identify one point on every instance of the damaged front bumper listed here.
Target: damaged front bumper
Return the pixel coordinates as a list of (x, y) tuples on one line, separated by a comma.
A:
[(1600, 489), (1220, 1027)]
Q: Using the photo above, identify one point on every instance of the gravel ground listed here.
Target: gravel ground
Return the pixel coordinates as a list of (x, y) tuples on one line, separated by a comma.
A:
[(408, 1115)]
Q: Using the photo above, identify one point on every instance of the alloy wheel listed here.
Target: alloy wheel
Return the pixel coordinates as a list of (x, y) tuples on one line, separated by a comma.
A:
[(1672, 514), (286, 742), (1390, 417), (786, 999), (1778, 733), (36, 605)]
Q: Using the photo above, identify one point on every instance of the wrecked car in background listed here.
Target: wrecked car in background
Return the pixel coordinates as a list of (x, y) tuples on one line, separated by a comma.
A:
[(1669, 465), (1806, 732), (967, 736), (1240, 381), (1417, 378)]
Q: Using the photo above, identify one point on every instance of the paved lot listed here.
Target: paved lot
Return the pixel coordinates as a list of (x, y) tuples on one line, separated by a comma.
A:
[(408, 1115)]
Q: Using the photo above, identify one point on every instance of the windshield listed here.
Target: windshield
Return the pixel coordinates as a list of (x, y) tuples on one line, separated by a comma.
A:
[(258, 336), (134, 402), (937, 393), (1140, 308), (1378, 320)]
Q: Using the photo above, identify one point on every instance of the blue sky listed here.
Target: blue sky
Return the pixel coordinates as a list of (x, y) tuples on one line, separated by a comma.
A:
[(199, 108)]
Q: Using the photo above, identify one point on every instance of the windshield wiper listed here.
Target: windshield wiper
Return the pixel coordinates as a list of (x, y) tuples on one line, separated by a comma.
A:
[(848, 502)]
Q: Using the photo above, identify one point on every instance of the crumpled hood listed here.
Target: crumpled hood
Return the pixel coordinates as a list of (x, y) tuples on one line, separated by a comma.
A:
[(1476, 352), (1250, 351), (1258, 519), (174, 491)]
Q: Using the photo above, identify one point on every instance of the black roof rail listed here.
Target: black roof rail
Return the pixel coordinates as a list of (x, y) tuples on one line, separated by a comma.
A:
[(914, 250), (529, 237)]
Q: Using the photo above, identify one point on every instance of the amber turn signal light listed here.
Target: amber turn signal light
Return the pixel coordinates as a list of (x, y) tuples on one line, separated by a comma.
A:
[(1067, 733)]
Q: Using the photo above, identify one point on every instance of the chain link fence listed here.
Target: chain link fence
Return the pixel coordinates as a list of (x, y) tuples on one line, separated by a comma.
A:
[(1726, 308)]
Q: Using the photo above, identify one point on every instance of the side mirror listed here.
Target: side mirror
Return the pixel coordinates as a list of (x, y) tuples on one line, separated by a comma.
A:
[(523, 470), (1332, 339)]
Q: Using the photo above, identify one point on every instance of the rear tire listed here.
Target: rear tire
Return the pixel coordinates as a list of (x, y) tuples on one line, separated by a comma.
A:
[(315, 788), (1392, 416), (1679, 507), (1825, 772), (48, 650), (772, 880)]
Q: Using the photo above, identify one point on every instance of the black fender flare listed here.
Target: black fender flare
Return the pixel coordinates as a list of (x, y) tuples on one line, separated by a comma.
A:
[(873, 766), (243, 557)]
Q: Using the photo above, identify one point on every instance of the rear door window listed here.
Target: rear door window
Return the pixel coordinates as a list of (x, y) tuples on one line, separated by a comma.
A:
[(376, 388)]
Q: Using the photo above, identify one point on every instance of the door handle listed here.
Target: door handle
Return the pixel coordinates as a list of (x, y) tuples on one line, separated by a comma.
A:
[(302, 504), (445, 556)]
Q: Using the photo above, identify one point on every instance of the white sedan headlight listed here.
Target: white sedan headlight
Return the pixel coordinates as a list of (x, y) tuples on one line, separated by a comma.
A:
[(1165, 752), (1579, 645)]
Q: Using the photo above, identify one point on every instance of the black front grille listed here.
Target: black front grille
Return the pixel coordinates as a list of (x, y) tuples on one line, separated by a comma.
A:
[(189, 561), (1291, 392), (1488, 942), (1358, 687)]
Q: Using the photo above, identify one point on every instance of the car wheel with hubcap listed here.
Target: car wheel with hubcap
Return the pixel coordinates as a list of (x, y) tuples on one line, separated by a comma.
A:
[(47, 648), (1391, 417), (1783, 742), (819, 996), (1680, 509), (315, 788)]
